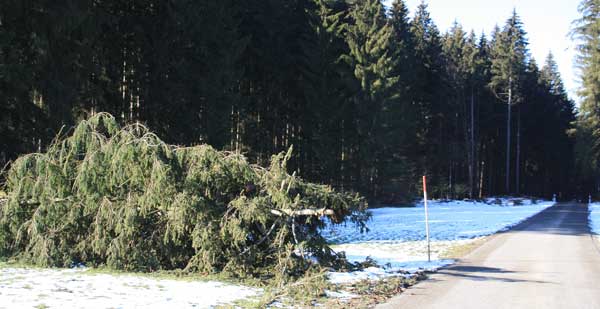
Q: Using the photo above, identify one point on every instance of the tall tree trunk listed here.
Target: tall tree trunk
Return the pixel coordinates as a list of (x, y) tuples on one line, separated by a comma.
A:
[(492, 186), (508, 135), (481, 169), (472, 147), (518, 160), (467, 139), (449, 194)]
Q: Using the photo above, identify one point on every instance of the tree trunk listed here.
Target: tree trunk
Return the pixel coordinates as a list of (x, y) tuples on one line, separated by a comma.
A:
[(491, 185), (467, 139), (481, 179), (472, 147), (449, 194), (508, 136), (518, 160)]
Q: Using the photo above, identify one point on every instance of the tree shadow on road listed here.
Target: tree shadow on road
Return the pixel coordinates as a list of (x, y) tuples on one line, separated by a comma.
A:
[(480, 273)]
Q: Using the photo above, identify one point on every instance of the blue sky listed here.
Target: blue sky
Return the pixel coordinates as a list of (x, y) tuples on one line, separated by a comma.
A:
[(547, 23)]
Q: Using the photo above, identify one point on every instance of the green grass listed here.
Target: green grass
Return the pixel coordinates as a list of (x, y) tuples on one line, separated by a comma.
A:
[(12, 263)]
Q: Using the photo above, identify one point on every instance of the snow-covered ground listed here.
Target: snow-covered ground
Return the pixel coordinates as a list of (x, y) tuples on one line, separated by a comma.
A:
[(594, 218), (76, 288), (397, 235)]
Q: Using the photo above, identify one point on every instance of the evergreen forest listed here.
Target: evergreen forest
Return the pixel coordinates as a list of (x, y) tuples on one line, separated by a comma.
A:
[(369, 97)]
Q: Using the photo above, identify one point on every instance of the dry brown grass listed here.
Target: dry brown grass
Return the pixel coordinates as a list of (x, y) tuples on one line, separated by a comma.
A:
[(460, 251)]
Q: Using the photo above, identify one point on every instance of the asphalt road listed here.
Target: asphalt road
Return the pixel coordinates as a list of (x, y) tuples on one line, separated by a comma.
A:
[(548, 261)]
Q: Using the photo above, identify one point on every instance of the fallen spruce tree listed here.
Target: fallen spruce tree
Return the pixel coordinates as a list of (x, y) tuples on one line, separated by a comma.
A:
[(122, 198)]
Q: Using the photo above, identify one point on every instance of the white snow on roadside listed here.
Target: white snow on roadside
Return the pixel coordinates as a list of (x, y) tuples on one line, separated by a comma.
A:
[(377, 273), (74, 288), (397, 235), (342, 295), (408, 256), (594, 217), (370, 273)]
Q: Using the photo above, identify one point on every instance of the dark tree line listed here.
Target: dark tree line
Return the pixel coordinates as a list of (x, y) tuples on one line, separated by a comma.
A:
[(369, 98), (587, 33)]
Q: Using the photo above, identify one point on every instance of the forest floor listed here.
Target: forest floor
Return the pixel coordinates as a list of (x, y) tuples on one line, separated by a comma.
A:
[(395, 242)]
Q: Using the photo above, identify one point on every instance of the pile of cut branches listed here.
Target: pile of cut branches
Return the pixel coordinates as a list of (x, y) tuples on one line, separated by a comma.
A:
[(122, 198)]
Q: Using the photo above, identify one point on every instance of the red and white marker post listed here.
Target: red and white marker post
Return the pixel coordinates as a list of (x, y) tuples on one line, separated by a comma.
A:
[(426, 218)]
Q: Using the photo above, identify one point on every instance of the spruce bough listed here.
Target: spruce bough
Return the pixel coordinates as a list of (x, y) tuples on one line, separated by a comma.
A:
[(122, 198)]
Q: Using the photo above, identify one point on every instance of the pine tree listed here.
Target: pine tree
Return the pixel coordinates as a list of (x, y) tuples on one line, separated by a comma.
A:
[(369, 40), (473, 67), (509, 60), (547, 120), (428, 91), (399, 168), (562, 110), (587, 32), (454, 48), (551, 76), (326, 93), (121, 197), (485, 119)]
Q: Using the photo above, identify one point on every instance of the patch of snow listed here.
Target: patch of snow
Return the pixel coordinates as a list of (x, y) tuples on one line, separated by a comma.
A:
[(74, 288), (396, 252), (369, 273), (397, 235), (342, 295), (594, 217), (448, 221), (415, 266), (405, 269)]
